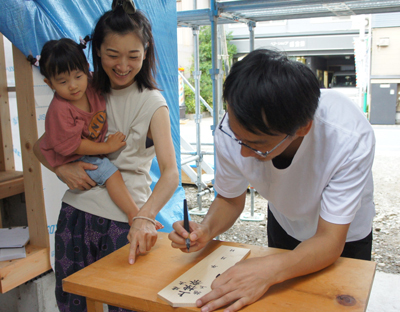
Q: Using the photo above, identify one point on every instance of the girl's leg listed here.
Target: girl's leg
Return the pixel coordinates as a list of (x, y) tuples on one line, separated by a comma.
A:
[(120, 195), (81, 239)]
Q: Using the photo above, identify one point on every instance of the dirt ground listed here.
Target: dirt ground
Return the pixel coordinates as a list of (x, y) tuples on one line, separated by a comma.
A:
[(386, 226)]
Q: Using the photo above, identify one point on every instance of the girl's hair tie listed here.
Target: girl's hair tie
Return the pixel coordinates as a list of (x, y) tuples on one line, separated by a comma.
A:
[(34, 61), (84, 41), (37, 61)]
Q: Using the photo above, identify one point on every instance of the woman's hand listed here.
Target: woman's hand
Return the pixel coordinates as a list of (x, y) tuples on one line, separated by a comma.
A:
[(74, 175), (241, 285), (142, 237), (199, 236)]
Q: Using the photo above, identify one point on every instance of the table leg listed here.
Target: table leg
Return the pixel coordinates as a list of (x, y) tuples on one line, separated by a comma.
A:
[(93, 306)]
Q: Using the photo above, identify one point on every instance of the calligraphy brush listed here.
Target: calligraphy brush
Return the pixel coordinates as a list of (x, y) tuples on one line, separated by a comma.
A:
[(186, 223)]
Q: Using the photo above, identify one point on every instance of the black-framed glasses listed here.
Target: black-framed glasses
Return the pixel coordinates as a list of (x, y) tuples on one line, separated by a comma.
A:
[(127, 5), (259, 153)]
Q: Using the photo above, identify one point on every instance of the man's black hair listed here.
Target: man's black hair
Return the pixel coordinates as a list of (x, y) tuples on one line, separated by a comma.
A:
[(270, 94)]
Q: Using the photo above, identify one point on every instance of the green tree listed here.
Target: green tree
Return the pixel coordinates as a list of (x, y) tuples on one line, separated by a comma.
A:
[(205, 60)]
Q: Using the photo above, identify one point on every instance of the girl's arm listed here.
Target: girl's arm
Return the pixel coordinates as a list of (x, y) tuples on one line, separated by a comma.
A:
[(114, 143), (142, 235), (39, 155), (73, 174)]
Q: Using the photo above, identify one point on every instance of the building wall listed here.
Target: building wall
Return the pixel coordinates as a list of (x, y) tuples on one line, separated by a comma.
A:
[(385, 57), (385, 61), (306, 37)]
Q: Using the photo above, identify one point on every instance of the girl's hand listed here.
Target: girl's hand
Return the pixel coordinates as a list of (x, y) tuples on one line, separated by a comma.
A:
[(74, 175), (115, 141)]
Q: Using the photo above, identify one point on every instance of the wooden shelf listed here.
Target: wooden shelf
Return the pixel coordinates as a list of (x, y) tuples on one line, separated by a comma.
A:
[(11, 183), (16, 272)]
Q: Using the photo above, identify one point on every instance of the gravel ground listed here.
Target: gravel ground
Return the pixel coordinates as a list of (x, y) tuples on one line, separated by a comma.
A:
[(386, 226)]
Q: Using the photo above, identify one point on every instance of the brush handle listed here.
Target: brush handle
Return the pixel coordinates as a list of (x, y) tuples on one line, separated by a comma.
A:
[(186, 222)]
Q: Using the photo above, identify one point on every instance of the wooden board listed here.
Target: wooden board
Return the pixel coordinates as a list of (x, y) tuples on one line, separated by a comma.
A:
[(16, 272), (33, 185), (6, 144), (196, 282), (11, 183)]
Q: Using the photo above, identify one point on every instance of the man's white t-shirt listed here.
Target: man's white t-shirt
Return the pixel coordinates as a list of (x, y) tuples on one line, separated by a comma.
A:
[(330, 175)]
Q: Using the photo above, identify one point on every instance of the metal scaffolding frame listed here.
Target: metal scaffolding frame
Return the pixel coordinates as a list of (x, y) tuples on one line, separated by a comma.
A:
[(250, 12)]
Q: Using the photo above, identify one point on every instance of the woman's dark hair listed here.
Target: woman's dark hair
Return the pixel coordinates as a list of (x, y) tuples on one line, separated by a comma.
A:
[(268, 93), (122, 23), (60, 56)]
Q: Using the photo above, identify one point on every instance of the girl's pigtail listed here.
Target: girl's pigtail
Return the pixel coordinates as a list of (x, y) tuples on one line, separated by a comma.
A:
[(83, 42), (33, 61)]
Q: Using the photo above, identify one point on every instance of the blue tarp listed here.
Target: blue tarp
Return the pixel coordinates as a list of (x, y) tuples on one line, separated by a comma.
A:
[(29, 24)]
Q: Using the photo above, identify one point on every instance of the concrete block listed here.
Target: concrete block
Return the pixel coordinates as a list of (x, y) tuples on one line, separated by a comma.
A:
[(38, 294), (8, 301)]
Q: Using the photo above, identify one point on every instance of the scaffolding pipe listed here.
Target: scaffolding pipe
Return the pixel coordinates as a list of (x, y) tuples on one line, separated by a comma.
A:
[(209, 144), (189, 153), (197, 74), (221, 53), (189, 159), (251, 25), (251, 201), (194, 90), (214, 71), (206, 191)]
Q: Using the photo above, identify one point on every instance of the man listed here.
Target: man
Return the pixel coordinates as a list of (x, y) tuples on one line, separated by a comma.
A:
[(309, 153)]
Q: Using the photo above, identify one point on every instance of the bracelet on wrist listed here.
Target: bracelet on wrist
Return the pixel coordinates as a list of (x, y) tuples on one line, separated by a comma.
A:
[(145, 218)]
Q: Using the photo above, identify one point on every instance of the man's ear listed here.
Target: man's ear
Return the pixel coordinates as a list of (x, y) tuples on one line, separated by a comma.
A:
[(302, 131), (47, 81)]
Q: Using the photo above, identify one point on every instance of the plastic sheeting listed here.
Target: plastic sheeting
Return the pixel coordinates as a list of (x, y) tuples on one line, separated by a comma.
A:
[(29, 24)]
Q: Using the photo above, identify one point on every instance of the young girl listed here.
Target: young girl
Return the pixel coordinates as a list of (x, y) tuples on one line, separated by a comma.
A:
[(90, 225), (76, 123)]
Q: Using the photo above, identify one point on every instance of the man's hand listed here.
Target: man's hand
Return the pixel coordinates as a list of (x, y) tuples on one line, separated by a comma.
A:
[(241, 285), (142, 237), (74, 175), (115, 141), (199, 236)]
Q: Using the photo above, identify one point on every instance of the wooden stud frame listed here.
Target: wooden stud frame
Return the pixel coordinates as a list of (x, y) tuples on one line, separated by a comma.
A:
[(16, 272)]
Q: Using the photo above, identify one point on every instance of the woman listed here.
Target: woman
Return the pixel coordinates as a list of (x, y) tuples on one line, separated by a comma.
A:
[(90, 225)]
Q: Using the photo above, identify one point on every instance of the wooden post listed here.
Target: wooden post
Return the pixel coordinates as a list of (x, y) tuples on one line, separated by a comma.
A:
[(6, 146), (31, 167), (93, 306)]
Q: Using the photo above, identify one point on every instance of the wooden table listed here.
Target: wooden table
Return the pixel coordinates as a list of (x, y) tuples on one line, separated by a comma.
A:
[(343, 286)]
